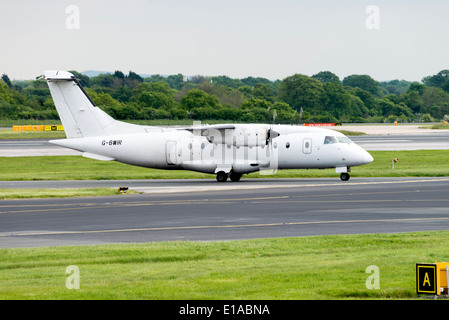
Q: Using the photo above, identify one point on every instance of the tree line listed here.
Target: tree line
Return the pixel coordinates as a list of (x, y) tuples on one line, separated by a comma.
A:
[(322, 97)]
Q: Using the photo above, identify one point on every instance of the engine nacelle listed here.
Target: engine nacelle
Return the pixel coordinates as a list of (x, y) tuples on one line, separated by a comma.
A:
[(239, 137)]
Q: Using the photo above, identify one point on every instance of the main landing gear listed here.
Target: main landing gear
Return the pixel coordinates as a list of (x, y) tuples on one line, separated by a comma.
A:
[(223, 176)]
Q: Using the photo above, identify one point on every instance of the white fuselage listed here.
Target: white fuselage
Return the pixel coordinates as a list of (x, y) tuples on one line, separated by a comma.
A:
[(296, 147)]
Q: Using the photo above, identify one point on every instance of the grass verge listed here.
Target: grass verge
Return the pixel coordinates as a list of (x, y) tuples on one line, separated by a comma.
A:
[(57, 193), (436, 127), (9, 134), (424, 163), (324, 267)]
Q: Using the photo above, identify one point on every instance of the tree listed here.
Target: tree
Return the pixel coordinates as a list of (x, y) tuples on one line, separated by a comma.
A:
[(369, 100), (83, 79), (102, 80), (433, 100), (396, 87), (413, 99), (9, 110), (122, 94), (415, 86), (300, 91), (364, 82), (5, 93), (440, 80), (175, 81), (255, 110), (200, 105), (7, 80), (161, 87), (103, 100), (156, 100), (264, 92), (225, 95), (227, 82), (134, 76), (337, 100), (284, 113), (157, 95), (390, 108), (198, 79), (326, 76), (133, 80), (119, 74)]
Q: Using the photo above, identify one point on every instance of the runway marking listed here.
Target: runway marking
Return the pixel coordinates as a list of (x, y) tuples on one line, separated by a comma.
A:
[(284, 198), (217, 227), (352, 201), (265, 186)]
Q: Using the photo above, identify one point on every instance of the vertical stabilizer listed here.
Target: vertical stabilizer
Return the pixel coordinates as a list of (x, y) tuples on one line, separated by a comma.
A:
[(79, 115)]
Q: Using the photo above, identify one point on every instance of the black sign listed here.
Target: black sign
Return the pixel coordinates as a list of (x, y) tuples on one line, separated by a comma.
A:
[(426, 278)]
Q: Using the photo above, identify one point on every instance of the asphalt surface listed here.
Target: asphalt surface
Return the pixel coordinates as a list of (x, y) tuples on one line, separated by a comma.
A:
[(246, 210), (428, 141), (32, 147)]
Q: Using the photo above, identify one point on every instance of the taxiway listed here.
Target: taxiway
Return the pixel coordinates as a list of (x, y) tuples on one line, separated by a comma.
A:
[(246, 210)]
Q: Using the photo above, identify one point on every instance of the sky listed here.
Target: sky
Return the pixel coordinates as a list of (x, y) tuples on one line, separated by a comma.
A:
[(386, 39)]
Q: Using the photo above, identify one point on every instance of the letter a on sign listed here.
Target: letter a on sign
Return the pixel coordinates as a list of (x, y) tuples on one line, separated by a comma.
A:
[(426, 278)]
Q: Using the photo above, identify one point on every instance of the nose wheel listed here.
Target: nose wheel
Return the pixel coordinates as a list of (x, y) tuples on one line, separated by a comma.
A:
[(344, 176)]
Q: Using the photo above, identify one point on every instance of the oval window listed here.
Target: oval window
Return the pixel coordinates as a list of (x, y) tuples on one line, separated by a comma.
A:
[(287, 145)]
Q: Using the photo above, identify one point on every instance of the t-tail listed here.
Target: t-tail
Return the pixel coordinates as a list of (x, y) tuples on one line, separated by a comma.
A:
[(79, 115)]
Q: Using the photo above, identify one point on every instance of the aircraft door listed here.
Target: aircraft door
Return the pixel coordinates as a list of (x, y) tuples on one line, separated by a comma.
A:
[(171, 152), (196, 147), (307, 146)]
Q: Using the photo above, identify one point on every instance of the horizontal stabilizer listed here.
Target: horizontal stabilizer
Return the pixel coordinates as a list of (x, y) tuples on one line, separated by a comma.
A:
[(97, 156)]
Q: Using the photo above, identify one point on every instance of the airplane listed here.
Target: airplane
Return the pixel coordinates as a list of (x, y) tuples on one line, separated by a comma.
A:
[(226, 150)]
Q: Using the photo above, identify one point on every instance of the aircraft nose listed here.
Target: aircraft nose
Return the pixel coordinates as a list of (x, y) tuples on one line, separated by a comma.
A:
[(367, 158)]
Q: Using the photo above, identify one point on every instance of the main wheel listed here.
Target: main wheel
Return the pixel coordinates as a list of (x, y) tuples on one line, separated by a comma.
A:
[(235, 177), (344, 176), (222, 176)]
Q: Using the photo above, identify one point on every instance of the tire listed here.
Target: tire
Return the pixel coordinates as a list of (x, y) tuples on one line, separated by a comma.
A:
[(235, 177), (344, 176), (222, 176)]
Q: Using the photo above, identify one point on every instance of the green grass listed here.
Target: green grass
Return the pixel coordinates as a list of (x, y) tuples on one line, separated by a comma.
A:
[(436, 126), (325, 267), (9, 134), (349, 133), (57, 193), (27, 122), (423, 163)]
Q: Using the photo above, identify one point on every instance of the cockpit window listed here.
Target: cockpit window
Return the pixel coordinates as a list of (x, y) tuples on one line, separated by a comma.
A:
[(330, 140), (344, 139)]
